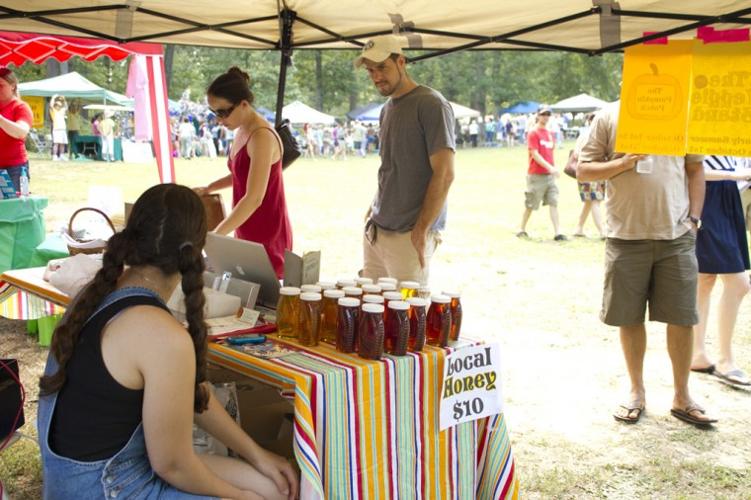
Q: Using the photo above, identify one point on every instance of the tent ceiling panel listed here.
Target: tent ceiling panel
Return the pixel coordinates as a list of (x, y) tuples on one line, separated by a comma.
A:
[(426, 24)]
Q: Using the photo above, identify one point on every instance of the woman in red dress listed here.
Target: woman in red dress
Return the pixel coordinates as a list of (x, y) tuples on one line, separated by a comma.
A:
[(259, 209)]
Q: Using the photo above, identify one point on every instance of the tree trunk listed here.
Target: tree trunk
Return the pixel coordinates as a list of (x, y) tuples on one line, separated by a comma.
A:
[(169, 57), (319, 80)]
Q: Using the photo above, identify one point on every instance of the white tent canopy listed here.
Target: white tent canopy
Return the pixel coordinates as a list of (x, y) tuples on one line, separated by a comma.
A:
[(464, 112), (71, 85), (581, 103), (587, 26), (298, 112)]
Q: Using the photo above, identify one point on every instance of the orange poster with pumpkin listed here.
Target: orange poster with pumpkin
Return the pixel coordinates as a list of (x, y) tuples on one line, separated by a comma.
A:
[(654, 99), (719, 119)]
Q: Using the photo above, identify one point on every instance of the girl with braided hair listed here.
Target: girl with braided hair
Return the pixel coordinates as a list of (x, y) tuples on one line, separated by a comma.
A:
[(124, 378)]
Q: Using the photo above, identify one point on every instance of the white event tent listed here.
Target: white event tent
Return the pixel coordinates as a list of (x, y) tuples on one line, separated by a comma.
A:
[(299, 112)]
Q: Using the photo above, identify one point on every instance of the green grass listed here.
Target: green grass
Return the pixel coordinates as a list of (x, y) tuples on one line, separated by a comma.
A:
[(562, 369)]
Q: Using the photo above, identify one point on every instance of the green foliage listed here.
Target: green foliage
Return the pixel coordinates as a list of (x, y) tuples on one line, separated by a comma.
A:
[(486, 80)]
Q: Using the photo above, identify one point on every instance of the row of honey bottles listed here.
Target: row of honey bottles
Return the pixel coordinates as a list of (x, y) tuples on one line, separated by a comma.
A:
[(368, 323)]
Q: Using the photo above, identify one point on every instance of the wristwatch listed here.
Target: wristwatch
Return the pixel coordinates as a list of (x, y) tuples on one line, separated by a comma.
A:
[(696, 221)]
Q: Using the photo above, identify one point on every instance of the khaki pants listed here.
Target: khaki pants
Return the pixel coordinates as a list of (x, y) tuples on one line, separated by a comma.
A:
[(393, 255)]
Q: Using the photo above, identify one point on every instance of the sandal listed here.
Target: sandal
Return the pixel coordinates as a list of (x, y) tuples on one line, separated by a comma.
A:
[(688, 415), (623, 414)]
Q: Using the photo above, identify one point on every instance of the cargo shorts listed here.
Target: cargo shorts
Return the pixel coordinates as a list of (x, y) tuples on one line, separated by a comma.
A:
[(540, 188), (658, 273)]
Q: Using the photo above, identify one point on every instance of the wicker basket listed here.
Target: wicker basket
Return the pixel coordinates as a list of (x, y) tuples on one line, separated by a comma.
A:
[(76, 245)]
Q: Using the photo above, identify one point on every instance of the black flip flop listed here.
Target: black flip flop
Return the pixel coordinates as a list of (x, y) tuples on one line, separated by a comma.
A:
[(708, 370), (684, 414), (628, 409)]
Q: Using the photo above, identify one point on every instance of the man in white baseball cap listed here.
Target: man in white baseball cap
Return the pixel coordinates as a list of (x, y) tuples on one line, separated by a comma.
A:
[(417, 168), (379, 49)]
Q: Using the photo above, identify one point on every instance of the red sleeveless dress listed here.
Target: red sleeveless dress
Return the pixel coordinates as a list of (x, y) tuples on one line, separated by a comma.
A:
[(269, 224)]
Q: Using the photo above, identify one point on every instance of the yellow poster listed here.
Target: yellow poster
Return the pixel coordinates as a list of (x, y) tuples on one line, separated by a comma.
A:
[(720, 109), (654, 99), (37, 108)]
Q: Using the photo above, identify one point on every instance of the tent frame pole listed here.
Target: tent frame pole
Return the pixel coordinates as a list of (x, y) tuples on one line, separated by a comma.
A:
[(286, 20)]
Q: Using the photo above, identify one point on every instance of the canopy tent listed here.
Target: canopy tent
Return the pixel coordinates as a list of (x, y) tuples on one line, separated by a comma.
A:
[(363, 114), (108, 107), (522, 108), (590, 27), (72, 85), (150, 99), (581, 103), (298, 112), (373, 113), (463, 111)]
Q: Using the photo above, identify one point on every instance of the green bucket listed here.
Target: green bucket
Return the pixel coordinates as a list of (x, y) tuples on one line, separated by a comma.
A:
[(47, 326), (32, 326)]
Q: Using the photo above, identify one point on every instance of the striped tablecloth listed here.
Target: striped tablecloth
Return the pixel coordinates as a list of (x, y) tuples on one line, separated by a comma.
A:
[(366, 430), (363, 429)]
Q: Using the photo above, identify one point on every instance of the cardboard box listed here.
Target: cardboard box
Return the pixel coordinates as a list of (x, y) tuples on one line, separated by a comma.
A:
[(265, 415)]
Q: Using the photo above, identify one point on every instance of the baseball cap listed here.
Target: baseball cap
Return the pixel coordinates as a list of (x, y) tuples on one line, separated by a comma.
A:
[(544, 110), (378, 50)]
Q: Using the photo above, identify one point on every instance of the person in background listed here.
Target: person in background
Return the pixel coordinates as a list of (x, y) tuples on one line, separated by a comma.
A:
[(541, 176), (95, 122), (721, 250), (474, 131), (58, 111), (259, 207), (16, 119), (107, 128), (186, 132), (74, 128), (591, 193), (404, 221), (115, 419)]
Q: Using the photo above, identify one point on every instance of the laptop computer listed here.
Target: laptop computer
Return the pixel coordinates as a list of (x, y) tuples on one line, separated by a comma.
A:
[(246, 260)]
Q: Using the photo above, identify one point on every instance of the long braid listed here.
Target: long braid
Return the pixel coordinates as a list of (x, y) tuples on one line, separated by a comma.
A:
[(68, 331), (191, 267)]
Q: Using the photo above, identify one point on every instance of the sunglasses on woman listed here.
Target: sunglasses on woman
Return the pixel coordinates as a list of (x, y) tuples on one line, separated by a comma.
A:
[(223, 113), (5, 72)]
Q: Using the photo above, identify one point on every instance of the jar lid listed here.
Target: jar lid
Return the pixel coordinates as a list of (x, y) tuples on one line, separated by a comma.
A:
[(343, 283), (417, 302), (372, 299), (289, 290), (326, 285), (392, 296), (363, 281), (310, 296), (387, 287), (352, 290), (332, 293), (399, 305), (310, 288), (371, 288), (393, 281), (348, 302), (440, 299), (411, 285), (372, 308), (453, 295)]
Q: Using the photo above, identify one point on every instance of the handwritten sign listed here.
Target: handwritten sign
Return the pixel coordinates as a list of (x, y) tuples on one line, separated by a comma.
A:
[(720, 108), (471, 385), (654, 98)]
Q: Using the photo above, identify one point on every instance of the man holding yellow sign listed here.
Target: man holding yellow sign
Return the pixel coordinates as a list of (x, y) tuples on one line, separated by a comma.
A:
[(654, 204)]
